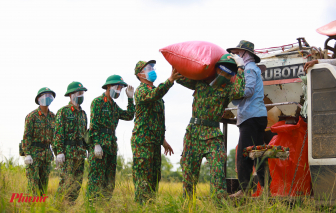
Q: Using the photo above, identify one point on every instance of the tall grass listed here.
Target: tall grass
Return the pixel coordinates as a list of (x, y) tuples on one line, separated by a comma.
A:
[(169, 198)]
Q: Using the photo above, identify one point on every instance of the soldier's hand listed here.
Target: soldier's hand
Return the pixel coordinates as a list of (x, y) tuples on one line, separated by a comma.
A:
[(98, 151), (129, 91), (28, 160), (174, 76), (60, 159), (167, 148), (309, 64)]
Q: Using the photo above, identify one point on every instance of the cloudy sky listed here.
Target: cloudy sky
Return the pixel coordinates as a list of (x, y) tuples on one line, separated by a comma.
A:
[(54, 42)]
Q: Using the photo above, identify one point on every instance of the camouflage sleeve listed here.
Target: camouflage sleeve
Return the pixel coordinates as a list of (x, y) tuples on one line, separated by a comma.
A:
[(52, 139), (94, 118), (86, 123), (144, 96), (28, 134), (186, 82), (58, 143), (237, 89), (128, 114)]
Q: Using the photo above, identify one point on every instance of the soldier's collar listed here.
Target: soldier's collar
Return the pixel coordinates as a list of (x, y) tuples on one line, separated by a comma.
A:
[(147, 85), (105, 99), (40, 111), (73, 108)]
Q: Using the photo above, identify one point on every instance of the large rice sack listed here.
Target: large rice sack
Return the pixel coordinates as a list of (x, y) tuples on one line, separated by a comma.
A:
[(193, 59)]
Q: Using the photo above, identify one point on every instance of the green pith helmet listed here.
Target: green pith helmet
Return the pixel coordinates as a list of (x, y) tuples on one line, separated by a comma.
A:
[(114, 79), (74, 87), (141, 64), (44, 90), (224, 59), (228, 62)]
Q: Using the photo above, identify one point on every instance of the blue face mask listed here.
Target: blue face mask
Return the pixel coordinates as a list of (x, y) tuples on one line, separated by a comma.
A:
[(151, 76), (48, 101)]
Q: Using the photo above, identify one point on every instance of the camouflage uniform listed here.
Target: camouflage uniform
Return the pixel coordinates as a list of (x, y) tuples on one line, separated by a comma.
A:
[(105, 115), (147, 138), (206, 141), (39, 130), (70, 127)]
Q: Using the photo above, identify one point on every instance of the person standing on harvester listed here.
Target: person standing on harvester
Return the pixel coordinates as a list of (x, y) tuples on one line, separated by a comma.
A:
[(38, 135), (69, 146), (251, 116), (204, 137), (149, 130), (105, 115)]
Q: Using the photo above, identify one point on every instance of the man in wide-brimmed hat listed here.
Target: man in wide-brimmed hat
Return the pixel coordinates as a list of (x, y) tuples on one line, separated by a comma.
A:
[(251, 115)]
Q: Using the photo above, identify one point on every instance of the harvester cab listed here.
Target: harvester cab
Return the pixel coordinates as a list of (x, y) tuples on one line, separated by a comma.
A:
[(321, 93)]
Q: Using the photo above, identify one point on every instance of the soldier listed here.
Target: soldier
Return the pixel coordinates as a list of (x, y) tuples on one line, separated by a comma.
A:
[(69, 148), (204, 137), (105, 114), (149, 130), (38, 135)]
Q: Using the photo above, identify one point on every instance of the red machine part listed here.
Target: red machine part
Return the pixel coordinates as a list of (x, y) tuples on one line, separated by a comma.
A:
[(328, 29)]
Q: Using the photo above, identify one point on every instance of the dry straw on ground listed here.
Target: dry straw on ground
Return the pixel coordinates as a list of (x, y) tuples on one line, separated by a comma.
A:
[(169, 199)]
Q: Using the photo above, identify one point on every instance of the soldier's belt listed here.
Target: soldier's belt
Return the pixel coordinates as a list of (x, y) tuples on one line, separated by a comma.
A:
[(36, 144), (41, 145), (106, 131), (74, 143), (203, 122)]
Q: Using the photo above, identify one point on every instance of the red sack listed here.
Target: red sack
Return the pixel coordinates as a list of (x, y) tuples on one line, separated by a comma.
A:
[(193, 59), (282, 171)]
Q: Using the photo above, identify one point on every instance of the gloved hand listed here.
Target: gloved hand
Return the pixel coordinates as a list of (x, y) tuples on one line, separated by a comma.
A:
[(239, 61), (130, 91), (60, 159), (98, 151), (28, 160)]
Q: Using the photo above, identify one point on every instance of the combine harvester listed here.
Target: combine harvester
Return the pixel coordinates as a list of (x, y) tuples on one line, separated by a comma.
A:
[(282, 68)]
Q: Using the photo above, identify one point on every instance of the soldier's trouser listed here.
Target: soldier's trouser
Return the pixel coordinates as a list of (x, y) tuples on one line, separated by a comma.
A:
[(146, 171), (38, 176), (193, 151), (101, 179), (72, 172)]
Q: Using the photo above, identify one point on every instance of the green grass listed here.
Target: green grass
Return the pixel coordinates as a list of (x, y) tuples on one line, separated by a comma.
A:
[(169, 198)]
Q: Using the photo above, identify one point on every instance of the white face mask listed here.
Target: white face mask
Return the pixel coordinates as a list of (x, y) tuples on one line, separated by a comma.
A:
[(115, 91), (77, 98), (246, 56), (46, 99)]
